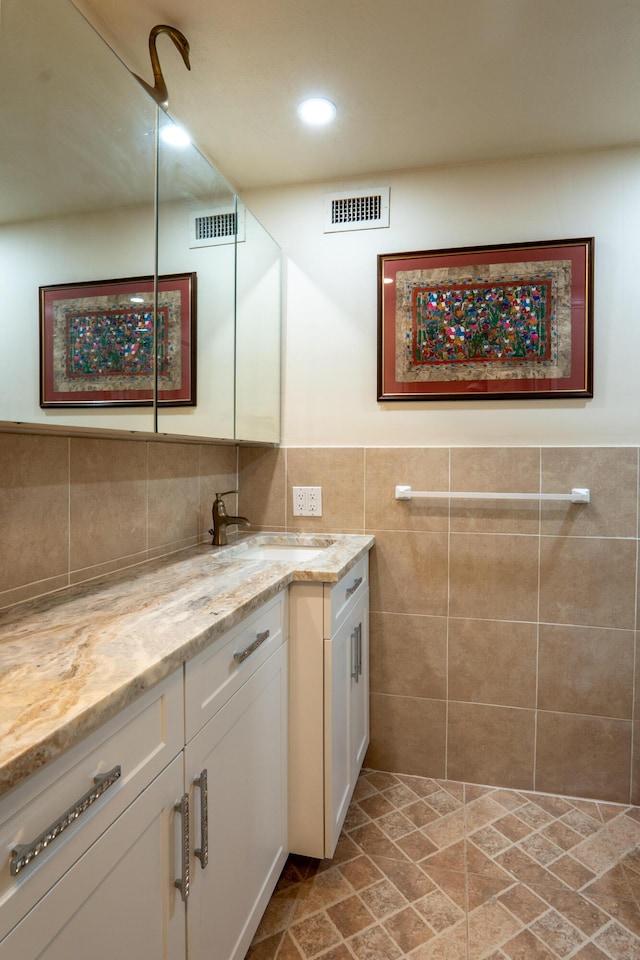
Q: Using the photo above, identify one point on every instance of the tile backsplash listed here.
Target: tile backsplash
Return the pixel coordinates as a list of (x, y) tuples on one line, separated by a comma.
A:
[(73, 508), (504, 634)]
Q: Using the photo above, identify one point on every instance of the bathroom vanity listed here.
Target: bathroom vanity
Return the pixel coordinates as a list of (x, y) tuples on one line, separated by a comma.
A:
[(145, 765)]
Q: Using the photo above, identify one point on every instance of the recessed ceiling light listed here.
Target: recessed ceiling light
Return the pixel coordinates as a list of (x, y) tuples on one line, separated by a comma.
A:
[(136, 299), (317, 111), (174, 135)]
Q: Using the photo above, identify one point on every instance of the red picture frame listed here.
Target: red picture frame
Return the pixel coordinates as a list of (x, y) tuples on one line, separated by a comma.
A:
[(499, 322), (99, 340)]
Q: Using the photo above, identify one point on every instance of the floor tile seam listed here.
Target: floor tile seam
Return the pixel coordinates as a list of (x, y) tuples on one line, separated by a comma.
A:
[(423, 919), (318, 953), (336, 903), (565, 956), (530, 796), (525, 924), (598, 934), (563, 851), (403, 858), (558, 913), (510, 936), (416, 829), (367, 929), (385, 876)]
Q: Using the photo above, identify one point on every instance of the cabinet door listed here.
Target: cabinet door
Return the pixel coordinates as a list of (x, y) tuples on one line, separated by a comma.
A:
[(243, 748), (119, 898), (346, 715), (359, 701), (339, 666)]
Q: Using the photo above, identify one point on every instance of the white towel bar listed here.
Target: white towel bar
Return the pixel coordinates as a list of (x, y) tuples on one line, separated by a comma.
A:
[(577, 495)]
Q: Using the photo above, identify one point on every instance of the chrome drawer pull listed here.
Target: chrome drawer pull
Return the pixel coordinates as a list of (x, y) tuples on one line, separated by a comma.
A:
[(260, 638), (26, 852), (183, 883), (202, 853), (354, 586)]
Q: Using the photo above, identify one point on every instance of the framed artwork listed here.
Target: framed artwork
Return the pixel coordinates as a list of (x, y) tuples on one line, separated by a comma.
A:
[(508, 321), (97, 342)]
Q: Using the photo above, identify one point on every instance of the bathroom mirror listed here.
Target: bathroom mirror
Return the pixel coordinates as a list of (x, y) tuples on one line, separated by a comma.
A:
[(196, 234), (77, 210), (76, 191), (258, 331)]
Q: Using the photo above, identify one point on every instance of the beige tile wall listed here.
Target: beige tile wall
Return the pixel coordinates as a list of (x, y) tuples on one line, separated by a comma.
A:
[(504, 635), (73, 508)]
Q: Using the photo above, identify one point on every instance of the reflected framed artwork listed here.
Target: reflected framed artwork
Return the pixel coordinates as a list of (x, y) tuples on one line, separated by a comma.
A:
[(500, 322), (97, 342)]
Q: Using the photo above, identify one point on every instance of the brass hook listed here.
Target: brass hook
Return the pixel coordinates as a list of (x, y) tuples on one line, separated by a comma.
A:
[(159, 91)]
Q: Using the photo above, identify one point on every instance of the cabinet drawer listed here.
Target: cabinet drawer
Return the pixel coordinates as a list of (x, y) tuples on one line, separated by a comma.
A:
[(118, 900), (340, 597), (141, 740), (215, 674)]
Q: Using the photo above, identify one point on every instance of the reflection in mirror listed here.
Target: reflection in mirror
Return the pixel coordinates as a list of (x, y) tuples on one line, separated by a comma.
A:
[(196, 234), (76, 196), (258, 312)]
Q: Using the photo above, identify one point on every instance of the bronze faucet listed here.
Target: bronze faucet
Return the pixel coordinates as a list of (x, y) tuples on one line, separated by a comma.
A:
[(221, 520)]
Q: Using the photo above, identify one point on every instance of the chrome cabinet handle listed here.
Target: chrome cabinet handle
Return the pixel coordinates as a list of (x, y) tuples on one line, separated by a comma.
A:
[(202, 853), (354, 586), (260, 638), (182, 883), (23, 855), (359, 635), (354, 656)]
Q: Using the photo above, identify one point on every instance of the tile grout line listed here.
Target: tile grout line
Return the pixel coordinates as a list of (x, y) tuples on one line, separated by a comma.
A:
[(634, 711), (446, 650), (539, 575)]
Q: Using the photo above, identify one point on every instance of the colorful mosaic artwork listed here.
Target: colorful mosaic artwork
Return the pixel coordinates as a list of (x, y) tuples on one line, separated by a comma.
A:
[(114, 343), (97, 342), (481, 322)]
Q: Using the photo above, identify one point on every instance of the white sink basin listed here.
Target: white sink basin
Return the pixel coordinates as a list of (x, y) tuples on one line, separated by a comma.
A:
[(281, 551)]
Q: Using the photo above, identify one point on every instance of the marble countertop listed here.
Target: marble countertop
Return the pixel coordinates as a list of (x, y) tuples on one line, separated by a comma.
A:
[(71, 660)]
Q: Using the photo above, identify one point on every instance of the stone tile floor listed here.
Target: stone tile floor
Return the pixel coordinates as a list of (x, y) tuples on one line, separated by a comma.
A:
[(438, 870)]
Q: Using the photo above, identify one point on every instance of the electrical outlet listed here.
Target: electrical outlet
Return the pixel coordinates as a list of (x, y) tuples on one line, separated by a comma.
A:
[(299, 501), (314, 501), (307, 501)]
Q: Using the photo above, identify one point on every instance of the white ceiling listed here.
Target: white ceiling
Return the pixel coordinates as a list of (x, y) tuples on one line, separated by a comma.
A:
[(416, 82)]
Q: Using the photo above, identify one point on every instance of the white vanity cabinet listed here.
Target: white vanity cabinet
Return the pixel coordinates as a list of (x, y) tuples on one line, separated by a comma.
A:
[(329, 705), (236, 771), (102, 881), (175, 851)]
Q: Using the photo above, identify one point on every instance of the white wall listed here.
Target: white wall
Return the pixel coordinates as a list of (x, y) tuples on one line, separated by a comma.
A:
[(331, 299), (110, 245)]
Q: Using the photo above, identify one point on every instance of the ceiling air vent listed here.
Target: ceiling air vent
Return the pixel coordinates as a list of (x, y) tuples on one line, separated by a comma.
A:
[(356, 210), (212, 227)]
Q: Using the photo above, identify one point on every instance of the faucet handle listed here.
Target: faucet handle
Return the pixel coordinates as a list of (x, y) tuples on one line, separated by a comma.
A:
[(226, 493)]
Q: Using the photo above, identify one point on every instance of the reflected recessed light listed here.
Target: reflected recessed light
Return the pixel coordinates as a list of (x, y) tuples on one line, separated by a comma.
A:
[(136, 299), (317, 111), (174, 135), (388, 279)]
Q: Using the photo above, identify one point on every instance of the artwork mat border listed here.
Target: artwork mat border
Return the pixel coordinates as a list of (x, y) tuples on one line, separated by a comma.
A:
[(581, 251), (184, 283)]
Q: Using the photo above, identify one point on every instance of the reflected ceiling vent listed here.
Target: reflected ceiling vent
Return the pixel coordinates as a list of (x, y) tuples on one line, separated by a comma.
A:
[(356, 210), (210, 228)]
